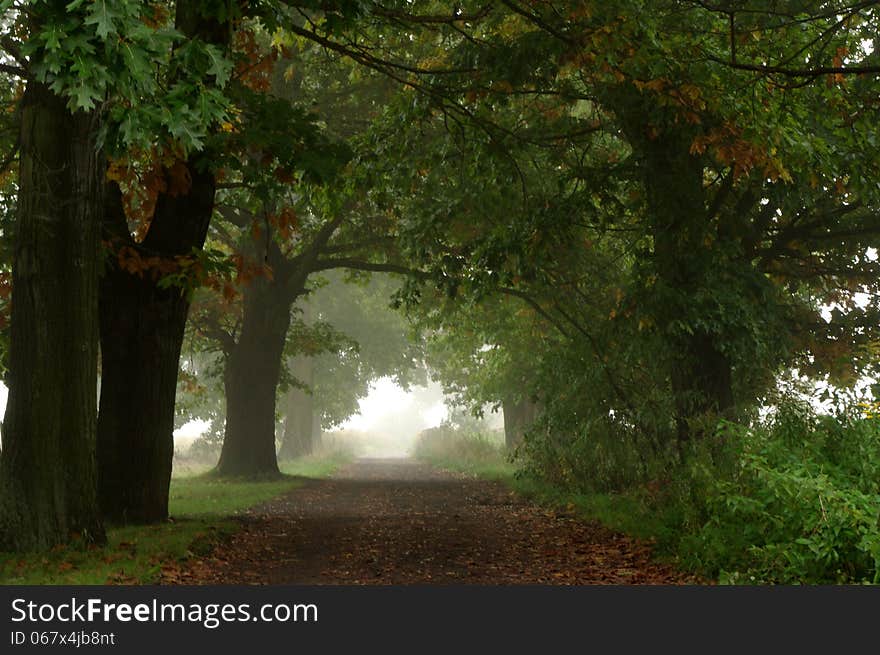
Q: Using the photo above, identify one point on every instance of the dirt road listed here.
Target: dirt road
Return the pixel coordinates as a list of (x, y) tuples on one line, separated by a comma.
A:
[(398, 521)]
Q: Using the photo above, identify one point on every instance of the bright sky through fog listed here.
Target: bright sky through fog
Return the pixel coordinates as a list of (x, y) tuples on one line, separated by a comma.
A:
[(387, 401), (391, 418)]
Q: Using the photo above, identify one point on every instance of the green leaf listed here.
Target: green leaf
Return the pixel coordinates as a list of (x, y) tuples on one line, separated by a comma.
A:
[(82, 96), (219, 66), (53, 36), (103, 17)]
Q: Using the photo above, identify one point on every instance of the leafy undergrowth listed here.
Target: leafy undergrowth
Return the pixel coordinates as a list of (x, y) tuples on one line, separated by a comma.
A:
[(200, 508)]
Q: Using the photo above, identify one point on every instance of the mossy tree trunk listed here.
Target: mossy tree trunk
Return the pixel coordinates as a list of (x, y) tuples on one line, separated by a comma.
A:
[(678, 219), (700, 374)]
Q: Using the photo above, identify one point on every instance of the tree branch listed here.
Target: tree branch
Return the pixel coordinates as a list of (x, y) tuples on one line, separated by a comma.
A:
[(436, 19), (800, 72), (360, 265), (534, 304)]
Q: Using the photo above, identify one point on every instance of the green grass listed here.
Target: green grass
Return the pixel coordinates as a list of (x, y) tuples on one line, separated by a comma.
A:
[(626, 513), (200, 508), (206, 496), (316, 466)]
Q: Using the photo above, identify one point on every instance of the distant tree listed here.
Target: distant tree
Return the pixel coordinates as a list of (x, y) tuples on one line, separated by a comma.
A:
[(376, 344)]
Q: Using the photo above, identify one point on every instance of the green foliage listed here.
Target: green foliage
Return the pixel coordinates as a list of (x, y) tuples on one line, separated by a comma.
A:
[(798, 501), (105, 54), (371, 342), (793, 499)]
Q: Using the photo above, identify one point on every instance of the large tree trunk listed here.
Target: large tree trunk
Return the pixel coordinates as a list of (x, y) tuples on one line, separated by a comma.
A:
[(700, 374), (142, 333), (519, 414), (253, 362), (702, 384), (253, 368), (48, 457), (142, 329), (299, 419)]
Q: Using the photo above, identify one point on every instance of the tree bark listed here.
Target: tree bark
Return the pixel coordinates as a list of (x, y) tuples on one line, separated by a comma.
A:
[(253, 368), (48, 458), (142, 328), (253, 362), (700, 374), (299, 419)]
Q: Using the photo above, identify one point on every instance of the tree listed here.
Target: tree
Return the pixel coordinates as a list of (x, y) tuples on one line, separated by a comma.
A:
[(48, 459), (694, 177), (48, 465), (142, 320), (368, 341)]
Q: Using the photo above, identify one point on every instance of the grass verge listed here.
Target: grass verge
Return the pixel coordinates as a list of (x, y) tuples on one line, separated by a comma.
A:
[(201, 508)]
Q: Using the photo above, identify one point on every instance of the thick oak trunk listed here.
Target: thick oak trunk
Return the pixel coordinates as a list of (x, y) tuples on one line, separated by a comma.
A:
[(142, 333), (253, 368), (253, 362), (142, 329), (700, 374), (48, 457)]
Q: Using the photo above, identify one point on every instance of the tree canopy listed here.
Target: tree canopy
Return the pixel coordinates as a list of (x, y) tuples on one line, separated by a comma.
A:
[(629, 224)]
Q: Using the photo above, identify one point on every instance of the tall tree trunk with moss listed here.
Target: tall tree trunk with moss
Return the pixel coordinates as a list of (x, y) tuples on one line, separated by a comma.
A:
[(49, 478), (700, 374)]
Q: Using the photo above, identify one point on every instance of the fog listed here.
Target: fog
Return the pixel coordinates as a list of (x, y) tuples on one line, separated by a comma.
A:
[(387, 423), (390, 418)]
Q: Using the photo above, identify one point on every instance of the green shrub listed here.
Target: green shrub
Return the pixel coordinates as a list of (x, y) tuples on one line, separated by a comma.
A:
[(794, 499)]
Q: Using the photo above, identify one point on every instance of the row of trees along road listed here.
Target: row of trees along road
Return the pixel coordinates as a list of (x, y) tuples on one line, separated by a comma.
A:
[(638, 209)]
